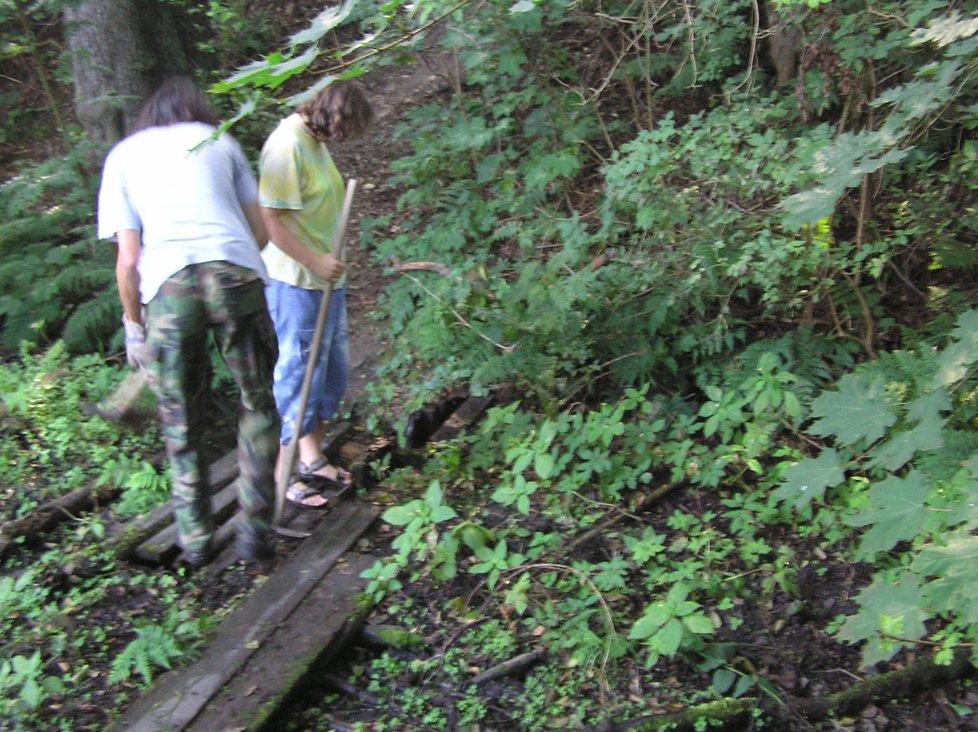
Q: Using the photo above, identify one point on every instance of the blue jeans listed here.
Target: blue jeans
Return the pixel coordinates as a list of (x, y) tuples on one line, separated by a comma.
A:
[(294, 311)]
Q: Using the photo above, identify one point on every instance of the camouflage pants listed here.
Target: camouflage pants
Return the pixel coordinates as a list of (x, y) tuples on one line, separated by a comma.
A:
[(228, 301)]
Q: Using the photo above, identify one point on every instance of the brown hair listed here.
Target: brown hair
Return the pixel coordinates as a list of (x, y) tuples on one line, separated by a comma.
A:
[(177, 100), (338, 112)]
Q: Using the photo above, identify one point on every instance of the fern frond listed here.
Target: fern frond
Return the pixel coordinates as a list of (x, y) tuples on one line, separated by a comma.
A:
[(93, 323), (81, 279)]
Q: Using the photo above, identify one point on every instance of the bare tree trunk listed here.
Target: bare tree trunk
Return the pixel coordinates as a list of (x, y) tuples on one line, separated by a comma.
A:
[(104, 43), (120, 51), (784, 43)]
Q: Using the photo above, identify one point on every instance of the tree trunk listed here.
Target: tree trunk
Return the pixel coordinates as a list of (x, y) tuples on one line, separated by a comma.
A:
[(784, 44), (120, 51)]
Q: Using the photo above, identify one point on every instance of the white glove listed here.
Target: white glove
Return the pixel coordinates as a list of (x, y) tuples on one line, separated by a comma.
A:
[(135, 342)]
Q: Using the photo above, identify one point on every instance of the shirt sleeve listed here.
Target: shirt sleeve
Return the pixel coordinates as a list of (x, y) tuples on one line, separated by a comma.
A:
[(115, 210), (280, 183)]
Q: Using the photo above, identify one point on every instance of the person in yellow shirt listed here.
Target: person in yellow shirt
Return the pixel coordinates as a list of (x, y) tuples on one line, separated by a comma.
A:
[(301, 194)]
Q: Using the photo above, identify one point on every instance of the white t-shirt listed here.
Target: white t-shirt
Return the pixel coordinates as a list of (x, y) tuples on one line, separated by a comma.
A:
[(184, 193)]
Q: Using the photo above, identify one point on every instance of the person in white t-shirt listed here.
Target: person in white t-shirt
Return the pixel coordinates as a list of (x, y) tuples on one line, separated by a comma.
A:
[(182, 202)]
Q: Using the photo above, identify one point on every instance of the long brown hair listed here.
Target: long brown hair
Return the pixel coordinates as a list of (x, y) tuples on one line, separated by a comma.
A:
[(177, 100), (338, 112)]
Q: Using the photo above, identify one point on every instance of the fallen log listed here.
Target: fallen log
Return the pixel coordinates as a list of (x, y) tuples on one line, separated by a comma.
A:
[(786, 712), (508, 667), (51, 514)]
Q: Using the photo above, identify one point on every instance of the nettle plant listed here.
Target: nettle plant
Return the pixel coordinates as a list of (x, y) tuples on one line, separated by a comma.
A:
[(902, 452)]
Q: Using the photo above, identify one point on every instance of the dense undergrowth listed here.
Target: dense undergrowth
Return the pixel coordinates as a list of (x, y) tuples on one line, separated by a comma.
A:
[(737, 314)]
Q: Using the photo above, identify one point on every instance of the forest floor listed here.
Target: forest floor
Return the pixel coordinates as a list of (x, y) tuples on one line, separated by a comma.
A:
[(798, 657), (788, 641)]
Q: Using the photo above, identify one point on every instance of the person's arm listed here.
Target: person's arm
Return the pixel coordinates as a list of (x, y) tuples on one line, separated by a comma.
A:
[(127, 274), (324, 266), (252, 212)]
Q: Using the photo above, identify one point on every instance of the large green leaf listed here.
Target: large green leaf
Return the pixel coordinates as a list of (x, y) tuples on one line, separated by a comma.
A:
[(322, 24), (946, 30), (953, 569), (957, 359), (807, 479), (924, 433), (855, 414), (901, 600), (839, 166), (896, 511)]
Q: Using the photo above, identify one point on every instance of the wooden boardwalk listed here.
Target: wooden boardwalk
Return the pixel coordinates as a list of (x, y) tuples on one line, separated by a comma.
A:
[(302, 616), (297, 619)]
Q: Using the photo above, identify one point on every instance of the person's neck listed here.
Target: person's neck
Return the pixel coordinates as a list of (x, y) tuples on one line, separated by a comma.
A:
[(308, 129)]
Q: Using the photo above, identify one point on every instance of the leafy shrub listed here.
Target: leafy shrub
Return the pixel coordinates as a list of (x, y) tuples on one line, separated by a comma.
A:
[(896, 427), (56, 279)]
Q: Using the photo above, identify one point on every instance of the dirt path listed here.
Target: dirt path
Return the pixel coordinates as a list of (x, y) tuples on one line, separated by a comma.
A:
[(391, 92)]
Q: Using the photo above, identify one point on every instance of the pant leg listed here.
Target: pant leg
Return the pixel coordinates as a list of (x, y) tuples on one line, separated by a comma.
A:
[(179, 370), (336, 361), (294, 311), (239, 318)]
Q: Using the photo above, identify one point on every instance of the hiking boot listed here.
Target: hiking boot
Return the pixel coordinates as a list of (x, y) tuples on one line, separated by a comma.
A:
[(197, 558), (253, 548)]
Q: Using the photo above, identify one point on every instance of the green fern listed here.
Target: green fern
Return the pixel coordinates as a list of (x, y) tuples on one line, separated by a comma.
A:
[(93, 324), (154, 647)]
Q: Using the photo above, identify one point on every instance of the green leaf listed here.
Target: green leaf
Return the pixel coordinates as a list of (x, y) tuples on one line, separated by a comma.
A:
[(925, 435), (543, 465), (884, 599), (322, 24), (957, 359), (401, 515), (654, 617), (723, 679), (807, 480), (246, 108), (897, 512), (953, 568), (946, 30), (443, 513), (699, 624), (855, 414), (670, 638), (433, 496), (840, 165)]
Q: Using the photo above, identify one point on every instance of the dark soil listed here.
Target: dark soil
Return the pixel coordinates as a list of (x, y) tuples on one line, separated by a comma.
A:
[(786, 641)]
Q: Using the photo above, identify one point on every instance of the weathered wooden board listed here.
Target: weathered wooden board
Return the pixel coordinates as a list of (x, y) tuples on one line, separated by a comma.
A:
[(316, 632), (125, 541), (468, 412), (180, 696)]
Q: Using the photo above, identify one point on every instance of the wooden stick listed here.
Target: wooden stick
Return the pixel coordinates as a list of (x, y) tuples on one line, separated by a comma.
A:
[(288, 459), (507, 667)]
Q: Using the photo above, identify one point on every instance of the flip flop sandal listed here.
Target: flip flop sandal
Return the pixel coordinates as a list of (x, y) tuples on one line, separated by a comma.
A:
[(307, 472), (298, 493)]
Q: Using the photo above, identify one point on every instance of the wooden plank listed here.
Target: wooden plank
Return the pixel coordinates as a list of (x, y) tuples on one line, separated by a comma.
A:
[(314, 634), (222, 472), (470, 410), (163, 546), (351, 451), (180, 695), (336, 434)]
